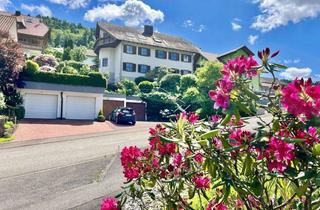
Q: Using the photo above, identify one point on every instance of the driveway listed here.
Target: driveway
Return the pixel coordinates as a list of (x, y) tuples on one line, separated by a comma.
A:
[(44, 129)]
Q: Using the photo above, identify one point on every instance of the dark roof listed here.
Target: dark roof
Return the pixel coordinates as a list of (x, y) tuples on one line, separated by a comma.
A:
[(135, 35), (6, 23), (30, 25), (243, 47)]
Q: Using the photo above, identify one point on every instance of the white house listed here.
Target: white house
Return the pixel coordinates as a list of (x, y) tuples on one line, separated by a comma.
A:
[(127, 53)]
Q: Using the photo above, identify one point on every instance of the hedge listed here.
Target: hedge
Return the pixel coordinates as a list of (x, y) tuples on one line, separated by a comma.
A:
[(94, 79)]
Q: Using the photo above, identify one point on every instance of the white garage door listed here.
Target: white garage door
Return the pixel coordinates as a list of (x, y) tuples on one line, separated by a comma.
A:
[(80, 108), (41, 106)]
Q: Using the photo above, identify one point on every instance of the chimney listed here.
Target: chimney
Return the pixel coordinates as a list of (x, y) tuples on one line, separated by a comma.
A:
[(148, 30), (18, 13)]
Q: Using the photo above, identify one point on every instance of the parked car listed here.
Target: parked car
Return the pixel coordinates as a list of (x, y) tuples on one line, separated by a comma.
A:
[(123, 115)]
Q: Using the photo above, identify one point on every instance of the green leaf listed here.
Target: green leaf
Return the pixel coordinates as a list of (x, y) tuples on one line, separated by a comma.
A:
[(318, 180), (237, 114), (165, 139), (280, 66), (302, 189), (191, 192), (251, 94), (210, 134), (226, 120), (316, 149), (276, 125), (256, 187), (152, 195)]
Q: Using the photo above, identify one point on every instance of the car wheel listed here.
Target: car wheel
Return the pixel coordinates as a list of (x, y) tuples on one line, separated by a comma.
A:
[(134, 122), (117, 121)]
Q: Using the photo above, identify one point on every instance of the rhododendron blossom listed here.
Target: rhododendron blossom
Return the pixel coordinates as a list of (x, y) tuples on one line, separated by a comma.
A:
[(201, 181), (109, 204), (214, 205), (239, 66), (301, 98)]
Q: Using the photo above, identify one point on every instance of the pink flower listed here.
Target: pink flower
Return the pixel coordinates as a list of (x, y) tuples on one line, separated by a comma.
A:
[(279, 154), (217, 143), (109, 204), (215, 118), (221, 95), (177, 160), (198, 158), (131, 163), (214, 205), (238, 137), (193, 118), (301, 98), (201, 181), (239, 66)]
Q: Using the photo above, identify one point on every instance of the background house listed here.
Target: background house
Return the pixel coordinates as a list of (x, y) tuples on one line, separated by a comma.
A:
[(30, 32), (127, 53)]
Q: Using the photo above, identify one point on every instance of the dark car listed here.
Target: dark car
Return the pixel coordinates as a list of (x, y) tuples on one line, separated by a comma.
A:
[(123, 115)]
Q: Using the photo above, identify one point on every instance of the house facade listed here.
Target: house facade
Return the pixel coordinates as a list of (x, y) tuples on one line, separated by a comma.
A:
[(128, 53), (29, 31)]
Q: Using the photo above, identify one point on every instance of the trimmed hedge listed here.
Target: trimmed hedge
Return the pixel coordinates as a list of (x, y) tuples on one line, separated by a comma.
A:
[(94, 79)]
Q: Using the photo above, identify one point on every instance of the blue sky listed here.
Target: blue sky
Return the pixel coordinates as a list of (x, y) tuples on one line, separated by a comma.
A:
[(292, 26)]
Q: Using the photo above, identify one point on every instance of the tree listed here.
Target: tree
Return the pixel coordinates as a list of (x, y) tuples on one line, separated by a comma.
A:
[(145, 86), (11, 64), (170, 83), (157, 73), (128, 87), (66, 54), (187, 81), (78, 54), (207, 76)]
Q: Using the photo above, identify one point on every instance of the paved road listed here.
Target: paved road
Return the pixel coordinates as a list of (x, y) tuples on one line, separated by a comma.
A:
[(66, 173), (49, 174)]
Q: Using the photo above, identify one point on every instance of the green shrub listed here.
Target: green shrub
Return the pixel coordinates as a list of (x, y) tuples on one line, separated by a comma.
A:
[(187, 81), (69, 70), (8, 124), (94, 79), (19, 112), (145, 86), (158, 102), (157, 73), (141, 79), (170, 83), (101, 117), (85, 69), (60, 66), (128, 87), (74, 64), (32, 67), (191, 98)]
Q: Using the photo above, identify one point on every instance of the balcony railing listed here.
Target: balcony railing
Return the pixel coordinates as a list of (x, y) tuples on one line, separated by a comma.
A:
[(105, 42)]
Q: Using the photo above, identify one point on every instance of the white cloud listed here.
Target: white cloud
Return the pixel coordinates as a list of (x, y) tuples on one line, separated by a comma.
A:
[(132, 12), (289, 61), (252, 39), (236, 26), (72, 4), (38, 9), (294, 72), (276, 13), (4, 4), (191, 24)]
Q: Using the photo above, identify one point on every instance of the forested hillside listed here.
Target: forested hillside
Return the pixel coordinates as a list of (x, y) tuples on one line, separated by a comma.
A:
[(62, 30)]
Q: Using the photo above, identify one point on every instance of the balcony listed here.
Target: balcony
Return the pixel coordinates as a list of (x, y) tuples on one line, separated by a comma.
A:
[(105, 42)]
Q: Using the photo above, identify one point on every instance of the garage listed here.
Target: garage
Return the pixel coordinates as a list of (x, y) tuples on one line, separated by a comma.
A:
[(41, 106), (80, 108)]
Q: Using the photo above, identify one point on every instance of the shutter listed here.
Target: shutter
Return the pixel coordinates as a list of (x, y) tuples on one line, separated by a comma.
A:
[(139, 50), (165, 55), (148, 52), (134, 50), (157, 53), (125, 48), (134, 67), (124, 66)]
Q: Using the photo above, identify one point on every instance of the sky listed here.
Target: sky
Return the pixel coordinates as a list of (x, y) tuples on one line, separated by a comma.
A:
[(216, 26)]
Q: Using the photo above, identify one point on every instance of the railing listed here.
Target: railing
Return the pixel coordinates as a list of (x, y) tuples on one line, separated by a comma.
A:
[(105, 42)]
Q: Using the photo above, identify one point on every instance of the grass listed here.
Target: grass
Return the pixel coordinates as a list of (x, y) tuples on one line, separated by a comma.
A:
[(6, 139)]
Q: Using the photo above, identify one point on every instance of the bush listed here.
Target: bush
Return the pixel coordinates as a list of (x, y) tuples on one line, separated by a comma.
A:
[(170, 83), (2, 102), (157, 73), (78, 53), (191, 98), (145, 86), (94, 79), (19, 112), (46, 60), (141, 79), (187, 81), (85, 69), (128, 87), (74, 64), (69, 70), (32, 67), (101, 117), (158, 102), (47, 69)]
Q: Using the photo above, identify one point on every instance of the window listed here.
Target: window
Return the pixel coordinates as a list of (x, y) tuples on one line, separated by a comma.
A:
[(183, 72), (173, 56), (186, 58), (104, 62), (161, 54), (143, 68), (129, 49), (130, 67), (144, 51)]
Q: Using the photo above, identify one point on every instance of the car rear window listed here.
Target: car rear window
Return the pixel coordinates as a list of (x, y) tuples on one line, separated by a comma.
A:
[(127, 111)]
